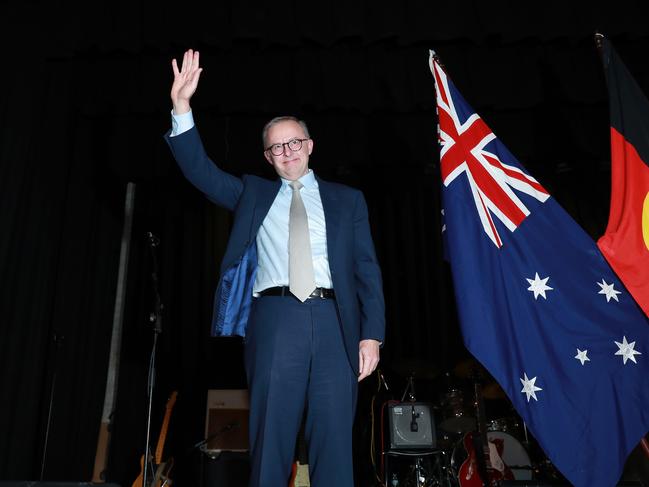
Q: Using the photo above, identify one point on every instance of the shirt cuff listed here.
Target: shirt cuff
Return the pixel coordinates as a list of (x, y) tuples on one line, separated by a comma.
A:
[(181, 123)]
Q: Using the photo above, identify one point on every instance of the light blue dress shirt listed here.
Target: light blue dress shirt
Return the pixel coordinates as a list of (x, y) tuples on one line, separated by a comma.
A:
[(272, 238)]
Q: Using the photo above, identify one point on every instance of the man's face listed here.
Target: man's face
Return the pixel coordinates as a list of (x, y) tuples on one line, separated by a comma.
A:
[(289, 164)]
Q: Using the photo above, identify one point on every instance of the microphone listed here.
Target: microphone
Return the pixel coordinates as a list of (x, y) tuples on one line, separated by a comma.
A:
[(414, 427)]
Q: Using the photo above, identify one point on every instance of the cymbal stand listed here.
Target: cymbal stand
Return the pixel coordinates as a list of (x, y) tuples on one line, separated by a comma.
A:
[(410, 390)]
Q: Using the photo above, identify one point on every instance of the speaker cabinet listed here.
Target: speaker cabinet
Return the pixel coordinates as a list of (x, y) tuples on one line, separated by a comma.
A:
[(226, 469), (226, 421), (412, 426)]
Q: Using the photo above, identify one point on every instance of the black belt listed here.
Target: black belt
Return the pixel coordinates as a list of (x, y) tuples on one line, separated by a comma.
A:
[(320, 292)]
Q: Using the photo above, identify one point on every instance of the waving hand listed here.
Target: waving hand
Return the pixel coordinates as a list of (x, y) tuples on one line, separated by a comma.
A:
[(185, 81)]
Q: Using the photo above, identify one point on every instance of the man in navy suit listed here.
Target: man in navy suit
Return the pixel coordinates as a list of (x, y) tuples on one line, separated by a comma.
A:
[(300, 281)]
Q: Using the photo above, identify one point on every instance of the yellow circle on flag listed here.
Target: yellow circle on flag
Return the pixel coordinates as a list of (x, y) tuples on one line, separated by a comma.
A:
[(645, 221)]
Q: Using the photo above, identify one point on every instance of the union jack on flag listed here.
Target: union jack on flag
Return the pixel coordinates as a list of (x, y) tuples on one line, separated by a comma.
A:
[(538, 304), (468, 146)]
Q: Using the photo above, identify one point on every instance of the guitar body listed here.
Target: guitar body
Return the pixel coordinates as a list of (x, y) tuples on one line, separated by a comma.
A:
[(160, 477), (468, 475), (299, 475), (497, 471), (162, 474), (140, 478)]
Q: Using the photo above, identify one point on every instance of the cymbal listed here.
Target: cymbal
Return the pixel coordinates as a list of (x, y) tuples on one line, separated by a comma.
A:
[(493, 391), (419, 368)]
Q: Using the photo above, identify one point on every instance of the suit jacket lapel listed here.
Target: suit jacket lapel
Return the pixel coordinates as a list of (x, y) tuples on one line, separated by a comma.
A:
[(265, 196), (331, 208)]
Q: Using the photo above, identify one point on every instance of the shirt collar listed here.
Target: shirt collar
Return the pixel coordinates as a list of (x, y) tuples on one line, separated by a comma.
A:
[(308, 181)]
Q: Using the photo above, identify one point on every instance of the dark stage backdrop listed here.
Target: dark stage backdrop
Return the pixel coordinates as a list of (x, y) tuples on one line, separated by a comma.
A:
[(83, 108)]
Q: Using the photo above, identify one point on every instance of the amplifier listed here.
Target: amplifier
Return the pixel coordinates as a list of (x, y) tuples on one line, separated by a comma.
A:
[(412, 426), (226, 469), (226, 420)]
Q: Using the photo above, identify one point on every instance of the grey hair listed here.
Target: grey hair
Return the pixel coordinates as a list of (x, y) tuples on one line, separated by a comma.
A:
[(284, 118)]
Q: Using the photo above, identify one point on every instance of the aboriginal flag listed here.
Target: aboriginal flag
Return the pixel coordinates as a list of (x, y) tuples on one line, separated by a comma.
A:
[(626, 241)]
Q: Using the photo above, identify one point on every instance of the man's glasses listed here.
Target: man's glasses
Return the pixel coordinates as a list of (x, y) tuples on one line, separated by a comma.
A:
[(293, 144)]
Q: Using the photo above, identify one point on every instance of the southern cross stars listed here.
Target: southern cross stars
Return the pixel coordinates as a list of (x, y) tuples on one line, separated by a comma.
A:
[(608, 290), (538, 286), (626, 350), (529, 388), (582, 356)]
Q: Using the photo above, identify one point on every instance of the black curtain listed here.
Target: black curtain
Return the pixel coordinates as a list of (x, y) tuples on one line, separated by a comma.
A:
[(83, 109)]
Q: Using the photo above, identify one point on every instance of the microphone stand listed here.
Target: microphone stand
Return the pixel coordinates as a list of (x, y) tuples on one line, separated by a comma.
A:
[(202, 445), (156, 319)]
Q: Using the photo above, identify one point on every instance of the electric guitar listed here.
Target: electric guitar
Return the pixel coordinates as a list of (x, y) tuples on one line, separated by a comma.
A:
[(484, 465), (159, 478), (300, 469), (299, 475)]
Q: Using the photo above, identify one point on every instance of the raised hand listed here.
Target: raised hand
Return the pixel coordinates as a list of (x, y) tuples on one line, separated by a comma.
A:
[(185, 81)]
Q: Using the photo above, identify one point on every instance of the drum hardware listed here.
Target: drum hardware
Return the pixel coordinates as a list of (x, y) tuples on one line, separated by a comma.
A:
[(420, 476), (410, 390), (457, 418), (420, 469)]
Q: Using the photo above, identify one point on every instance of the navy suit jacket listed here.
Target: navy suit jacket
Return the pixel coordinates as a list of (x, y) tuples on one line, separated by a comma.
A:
[(352, 260)]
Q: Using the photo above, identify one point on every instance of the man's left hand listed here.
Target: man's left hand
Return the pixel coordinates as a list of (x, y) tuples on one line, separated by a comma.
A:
[(368, 356)]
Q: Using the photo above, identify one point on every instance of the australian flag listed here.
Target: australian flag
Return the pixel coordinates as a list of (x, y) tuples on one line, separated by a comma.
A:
[(539, 306)]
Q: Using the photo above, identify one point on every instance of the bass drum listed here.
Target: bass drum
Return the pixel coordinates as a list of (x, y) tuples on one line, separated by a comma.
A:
[(514, 456)]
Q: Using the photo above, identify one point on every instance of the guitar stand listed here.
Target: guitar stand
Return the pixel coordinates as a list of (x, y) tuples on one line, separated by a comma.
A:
[(420, 475), (156, 318)]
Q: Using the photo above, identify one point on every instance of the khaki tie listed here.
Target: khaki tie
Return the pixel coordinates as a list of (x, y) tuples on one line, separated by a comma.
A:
[(300, 264)]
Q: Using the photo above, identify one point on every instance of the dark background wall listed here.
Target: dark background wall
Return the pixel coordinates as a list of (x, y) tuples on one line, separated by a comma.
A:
[(83, 106)]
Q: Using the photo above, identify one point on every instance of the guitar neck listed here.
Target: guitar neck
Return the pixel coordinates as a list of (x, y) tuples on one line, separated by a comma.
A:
[(481, 417), (163, 430)]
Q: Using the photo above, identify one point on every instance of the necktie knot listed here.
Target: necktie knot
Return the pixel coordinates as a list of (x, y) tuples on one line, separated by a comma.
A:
[(296, 185)]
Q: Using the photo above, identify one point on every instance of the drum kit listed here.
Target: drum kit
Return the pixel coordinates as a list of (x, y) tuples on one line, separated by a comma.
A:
[(461, 423)]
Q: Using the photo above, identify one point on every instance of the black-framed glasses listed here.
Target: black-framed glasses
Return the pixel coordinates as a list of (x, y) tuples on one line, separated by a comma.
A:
[(293, 144)]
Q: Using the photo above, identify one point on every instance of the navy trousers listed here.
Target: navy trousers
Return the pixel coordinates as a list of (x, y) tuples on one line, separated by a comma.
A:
[(295, 359)]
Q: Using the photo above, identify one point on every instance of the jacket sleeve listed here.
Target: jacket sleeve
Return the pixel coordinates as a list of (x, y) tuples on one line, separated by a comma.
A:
[(220, 187), (367, 274)]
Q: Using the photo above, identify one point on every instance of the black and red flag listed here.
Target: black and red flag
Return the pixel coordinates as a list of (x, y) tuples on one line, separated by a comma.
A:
[(625, 244)]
